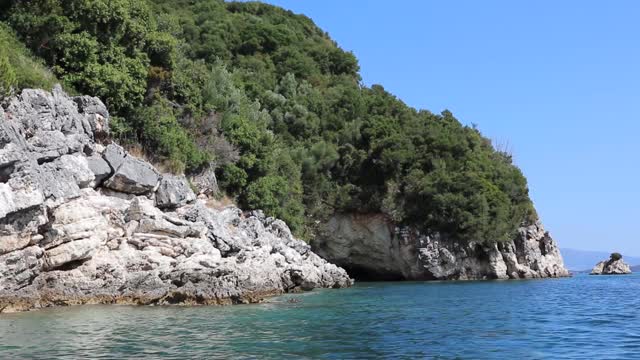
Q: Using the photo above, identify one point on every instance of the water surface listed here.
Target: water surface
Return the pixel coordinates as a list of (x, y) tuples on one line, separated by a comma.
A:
[(584, 317)]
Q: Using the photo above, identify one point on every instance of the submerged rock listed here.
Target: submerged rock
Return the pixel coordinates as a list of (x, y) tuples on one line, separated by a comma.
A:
[(613, 266), (372, 247), (83, 223)]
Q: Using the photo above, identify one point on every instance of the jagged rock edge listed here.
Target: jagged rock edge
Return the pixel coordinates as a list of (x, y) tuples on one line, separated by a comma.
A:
[(66, 238)]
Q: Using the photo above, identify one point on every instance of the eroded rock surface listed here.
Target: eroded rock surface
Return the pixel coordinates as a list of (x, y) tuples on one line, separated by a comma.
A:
[(372, 247), (174, 191), (85, 223)]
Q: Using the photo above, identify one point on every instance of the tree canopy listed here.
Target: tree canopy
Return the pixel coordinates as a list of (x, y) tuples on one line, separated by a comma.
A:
[(279, 108)]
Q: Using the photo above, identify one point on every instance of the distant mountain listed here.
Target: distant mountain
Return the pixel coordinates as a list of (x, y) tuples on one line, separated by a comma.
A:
[(580, 260)]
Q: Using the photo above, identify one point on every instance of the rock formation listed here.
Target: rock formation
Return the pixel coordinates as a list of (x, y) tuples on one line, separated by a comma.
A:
[(372, 247), (613, 266), (83, 221)]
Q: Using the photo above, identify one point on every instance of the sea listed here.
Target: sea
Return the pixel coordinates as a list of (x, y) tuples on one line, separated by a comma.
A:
[(583, 317)]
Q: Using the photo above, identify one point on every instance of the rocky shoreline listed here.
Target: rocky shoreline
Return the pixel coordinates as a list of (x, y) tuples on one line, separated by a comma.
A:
[(84, 222), (372, 247)]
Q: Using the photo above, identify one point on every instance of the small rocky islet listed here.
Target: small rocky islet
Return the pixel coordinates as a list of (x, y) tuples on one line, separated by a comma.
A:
[(615, 265), (82, 221)]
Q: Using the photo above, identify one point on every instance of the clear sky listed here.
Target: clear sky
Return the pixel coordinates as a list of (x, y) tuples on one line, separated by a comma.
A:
[(559, 81)]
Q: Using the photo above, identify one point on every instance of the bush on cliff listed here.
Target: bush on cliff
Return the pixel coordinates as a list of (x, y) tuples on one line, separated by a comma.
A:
[(18, 68), (193, 80), (114, 50)]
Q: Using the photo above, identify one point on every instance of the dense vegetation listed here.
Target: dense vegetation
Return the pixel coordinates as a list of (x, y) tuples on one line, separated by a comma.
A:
[(18, 69), (279, 108)]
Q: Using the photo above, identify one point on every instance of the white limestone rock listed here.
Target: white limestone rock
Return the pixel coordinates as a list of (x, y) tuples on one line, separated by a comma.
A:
[(133, 176), (174, 191), (64, 242), (372, 247), (613, 266)]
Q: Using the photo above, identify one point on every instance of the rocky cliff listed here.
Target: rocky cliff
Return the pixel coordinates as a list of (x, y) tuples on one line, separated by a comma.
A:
[(83, 221), (371, 247)]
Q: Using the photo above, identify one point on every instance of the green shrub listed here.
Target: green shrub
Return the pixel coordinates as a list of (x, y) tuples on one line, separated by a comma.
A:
[(18, 68), (616, 256), (7, 76), (163, 132)]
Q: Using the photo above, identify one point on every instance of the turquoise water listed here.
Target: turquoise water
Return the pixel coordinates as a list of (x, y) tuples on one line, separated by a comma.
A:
[(584, 317)]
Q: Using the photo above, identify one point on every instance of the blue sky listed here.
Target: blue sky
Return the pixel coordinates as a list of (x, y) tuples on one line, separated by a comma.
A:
[(558, 81)]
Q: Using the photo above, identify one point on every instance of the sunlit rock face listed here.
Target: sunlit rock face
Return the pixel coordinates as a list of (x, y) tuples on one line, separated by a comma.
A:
[(83, 221), (611, 267), (370, 246)]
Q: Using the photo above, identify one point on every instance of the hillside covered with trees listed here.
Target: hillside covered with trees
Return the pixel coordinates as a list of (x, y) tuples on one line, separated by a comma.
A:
[(274, 103)]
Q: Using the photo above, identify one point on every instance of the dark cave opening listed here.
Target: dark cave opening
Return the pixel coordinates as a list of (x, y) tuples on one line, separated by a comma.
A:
[(363, 273)]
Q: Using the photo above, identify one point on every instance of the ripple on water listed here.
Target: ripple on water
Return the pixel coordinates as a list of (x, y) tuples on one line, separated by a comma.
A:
[(577, 318)]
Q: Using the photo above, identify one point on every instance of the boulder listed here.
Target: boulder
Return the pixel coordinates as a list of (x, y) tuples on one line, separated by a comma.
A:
[(78, 167), (174, 191), (133, 176), (93, 106), (49, 145), (114, 155), (99, 167), (205, 181)]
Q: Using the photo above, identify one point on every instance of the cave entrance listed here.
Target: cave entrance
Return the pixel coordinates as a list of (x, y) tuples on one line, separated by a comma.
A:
[(360, 273)]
